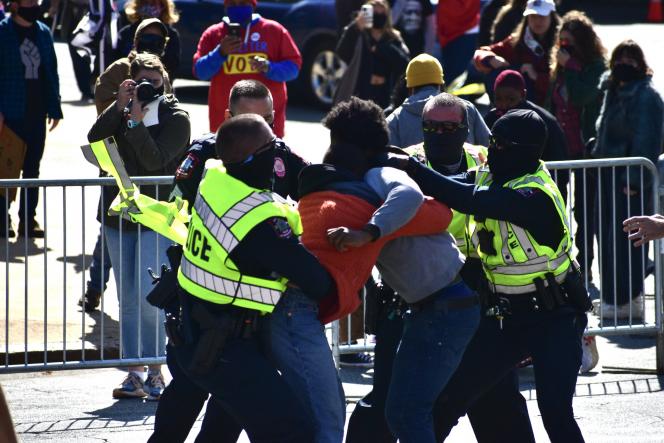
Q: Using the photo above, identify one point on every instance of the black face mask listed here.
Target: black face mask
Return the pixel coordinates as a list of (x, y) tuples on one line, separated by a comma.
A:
[(258, 172), (29, 13), (444, 149), (623, 72), (379, 21), (154, 44), (512, 162)]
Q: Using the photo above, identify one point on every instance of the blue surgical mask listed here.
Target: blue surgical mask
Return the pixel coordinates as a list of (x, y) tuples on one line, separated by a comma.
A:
[(239, 14)]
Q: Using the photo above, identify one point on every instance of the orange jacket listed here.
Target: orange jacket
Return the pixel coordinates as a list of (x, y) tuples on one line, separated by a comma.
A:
[(323, 210)]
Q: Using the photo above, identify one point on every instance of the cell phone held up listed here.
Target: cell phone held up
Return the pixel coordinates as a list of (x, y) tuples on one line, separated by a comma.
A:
[(235, 30), (367, 13)]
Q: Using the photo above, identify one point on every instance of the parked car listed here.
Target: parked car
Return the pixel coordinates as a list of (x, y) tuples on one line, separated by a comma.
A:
[(311, 23)]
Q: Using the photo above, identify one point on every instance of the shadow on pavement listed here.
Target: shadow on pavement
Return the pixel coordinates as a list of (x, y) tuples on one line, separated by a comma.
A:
[(632, 341), (21, 248), (80, 261), (111, 334)]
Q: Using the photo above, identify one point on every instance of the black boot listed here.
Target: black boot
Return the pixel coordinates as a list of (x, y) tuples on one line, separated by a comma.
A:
[(90, 300)]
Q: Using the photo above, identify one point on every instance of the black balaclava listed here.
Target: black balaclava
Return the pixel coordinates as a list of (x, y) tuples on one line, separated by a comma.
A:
[(444, 150), (520, 137), (152, 43), (257, 173)]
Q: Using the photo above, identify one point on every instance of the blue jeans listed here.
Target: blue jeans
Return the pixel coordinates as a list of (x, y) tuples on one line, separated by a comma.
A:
[(130, 259), (99, 274), (431, 348), (303, 356)]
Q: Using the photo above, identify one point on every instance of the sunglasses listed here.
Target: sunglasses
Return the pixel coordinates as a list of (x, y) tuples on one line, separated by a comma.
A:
[(264, 148), (500, 143), (447, 126)]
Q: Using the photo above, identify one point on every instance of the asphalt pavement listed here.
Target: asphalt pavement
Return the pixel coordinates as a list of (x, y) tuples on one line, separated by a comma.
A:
[(619, 402)]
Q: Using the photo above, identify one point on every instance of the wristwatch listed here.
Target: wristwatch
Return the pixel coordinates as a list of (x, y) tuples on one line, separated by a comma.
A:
[(131, 124)]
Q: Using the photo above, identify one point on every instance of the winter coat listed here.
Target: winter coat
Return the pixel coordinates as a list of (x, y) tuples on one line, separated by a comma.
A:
[(630, 122), (145, 151)]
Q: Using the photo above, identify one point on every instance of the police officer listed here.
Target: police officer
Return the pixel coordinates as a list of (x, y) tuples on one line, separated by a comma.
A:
[(241, 255), (246, 96), (523, 240), (182, 400), (501, 414)]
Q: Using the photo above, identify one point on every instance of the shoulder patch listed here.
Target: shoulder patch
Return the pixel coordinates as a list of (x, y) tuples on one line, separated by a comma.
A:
[(187, 166), (279, 167), (281, 227), (527, 192)]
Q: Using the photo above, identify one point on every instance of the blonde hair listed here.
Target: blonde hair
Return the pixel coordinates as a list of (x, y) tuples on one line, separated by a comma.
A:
[(169, 15)]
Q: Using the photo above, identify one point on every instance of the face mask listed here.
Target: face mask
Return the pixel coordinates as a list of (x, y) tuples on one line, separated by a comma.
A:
[(154, 44), (257, 171), (379, 21), (239, 14), (150, 11), (513, 162), (623, 72), (444, 148), (29, 13)]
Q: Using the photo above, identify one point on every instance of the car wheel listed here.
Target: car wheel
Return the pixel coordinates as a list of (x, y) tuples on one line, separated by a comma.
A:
[(322, 71)]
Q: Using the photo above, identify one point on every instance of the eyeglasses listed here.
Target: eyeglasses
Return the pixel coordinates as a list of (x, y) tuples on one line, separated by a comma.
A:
[(500, 144), (445, 126), (264, 148)]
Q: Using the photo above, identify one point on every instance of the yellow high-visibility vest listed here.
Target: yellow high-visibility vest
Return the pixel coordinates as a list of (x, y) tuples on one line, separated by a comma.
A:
[(219, 222), (518, 258)]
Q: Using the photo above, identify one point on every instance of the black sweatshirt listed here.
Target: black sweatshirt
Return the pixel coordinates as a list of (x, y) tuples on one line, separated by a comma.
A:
[(528, 208)]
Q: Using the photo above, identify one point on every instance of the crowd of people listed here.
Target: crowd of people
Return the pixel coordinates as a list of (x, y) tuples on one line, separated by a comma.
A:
[(467, 228)]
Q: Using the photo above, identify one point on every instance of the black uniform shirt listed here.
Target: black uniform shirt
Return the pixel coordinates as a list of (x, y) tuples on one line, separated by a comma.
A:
[(527, 208), (271, 248), (287, 167)]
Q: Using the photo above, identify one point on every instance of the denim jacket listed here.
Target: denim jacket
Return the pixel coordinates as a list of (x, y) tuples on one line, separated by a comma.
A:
[(12, 73)]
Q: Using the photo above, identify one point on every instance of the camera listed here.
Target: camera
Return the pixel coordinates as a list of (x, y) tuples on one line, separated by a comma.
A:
[(145, 92)]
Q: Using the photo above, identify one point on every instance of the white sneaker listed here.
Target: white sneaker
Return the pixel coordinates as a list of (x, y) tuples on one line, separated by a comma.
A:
[(590, 356), (610, 311)]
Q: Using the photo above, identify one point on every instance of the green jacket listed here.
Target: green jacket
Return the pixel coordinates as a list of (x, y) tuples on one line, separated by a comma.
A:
[(583, 92)]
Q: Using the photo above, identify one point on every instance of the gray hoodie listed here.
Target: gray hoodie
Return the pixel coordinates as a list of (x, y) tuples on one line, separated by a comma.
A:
[(405, 122)]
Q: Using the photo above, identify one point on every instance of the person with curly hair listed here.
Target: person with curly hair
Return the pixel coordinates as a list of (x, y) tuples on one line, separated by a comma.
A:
[(527, 50), (575, 101), (164, 10)]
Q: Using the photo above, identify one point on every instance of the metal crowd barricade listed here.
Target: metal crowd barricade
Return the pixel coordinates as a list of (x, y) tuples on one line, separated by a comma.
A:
[(41, 339), (574, 178)]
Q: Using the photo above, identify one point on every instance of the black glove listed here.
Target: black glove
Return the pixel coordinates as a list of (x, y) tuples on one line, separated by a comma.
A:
[(393, 158)]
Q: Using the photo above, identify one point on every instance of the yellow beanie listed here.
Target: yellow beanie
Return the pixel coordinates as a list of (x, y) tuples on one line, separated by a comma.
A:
[(424, 70)]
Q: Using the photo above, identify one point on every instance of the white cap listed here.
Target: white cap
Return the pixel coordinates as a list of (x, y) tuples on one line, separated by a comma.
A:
[(539, 7)]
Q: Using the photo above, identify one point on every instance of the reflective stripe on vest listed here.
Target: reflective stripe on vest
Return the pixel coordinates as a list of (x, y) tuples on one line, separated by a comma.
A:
[(166, 218), (224, 212), (520, 259), (462, 225)]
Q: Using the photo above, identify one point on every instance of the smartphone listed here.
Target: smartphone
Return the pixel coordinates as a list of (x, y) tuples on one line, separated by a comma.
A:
[(367, 13), (235, 29)]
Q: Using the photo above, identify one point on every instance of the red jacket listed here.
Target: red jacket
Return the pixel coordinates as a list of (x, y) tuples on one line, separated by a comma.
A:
[(456, 17), (517, 55), (268, 39), (323, 210)]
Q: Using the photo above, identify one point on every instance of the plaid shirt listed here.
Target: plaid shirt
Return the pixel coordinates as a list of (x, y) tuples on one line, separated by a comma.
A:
[(12, 72)]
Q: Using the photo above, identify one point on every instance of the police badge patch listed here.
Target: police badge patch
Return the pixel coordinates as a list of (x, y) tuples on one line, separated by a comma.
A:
[(281, 227), (187, 167), (279, 167)]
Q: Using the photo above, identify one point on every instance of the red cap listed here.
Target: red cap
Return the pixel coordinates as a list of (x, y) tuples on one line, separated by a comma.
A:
[(510, 79)]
